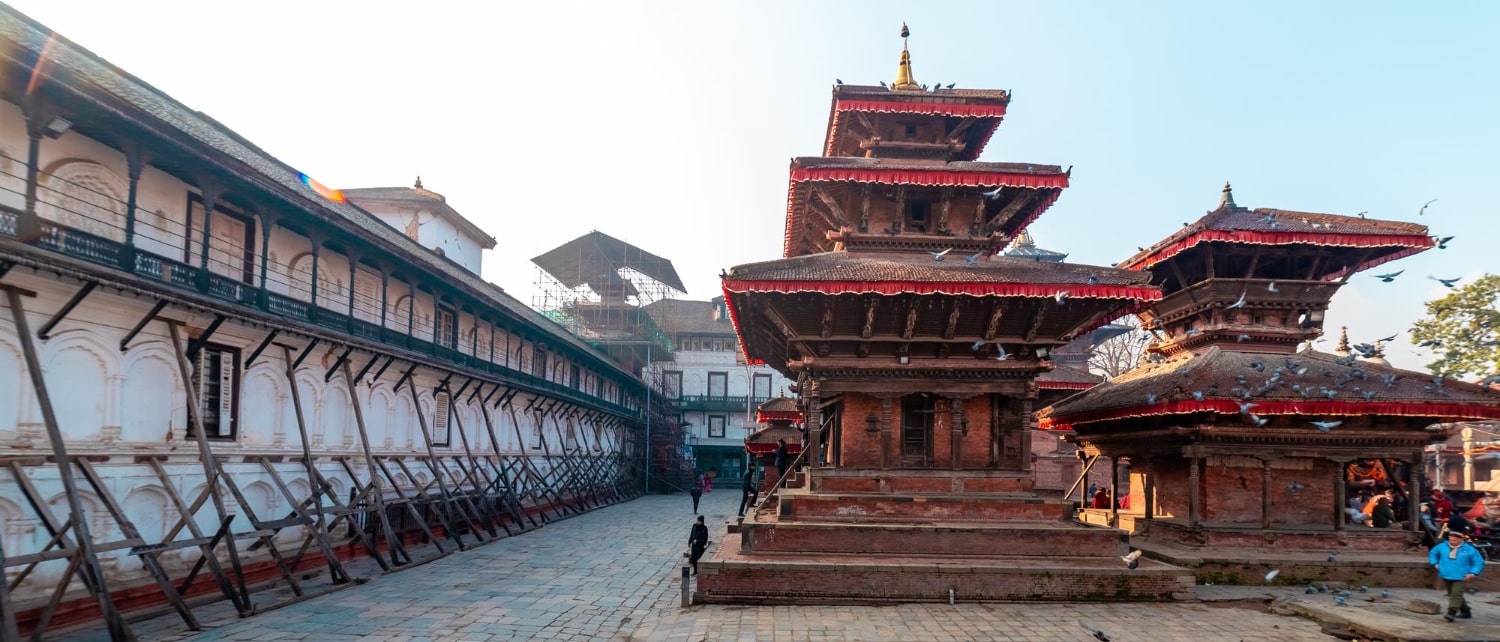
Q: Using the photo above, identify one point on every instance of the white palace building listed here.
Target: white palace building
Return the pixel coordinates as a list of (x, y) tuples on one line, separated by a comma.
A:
[(217, 374)]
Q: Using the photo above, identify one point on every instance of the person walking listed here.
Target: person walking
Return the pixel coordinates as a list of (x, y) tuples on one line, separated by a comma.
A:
[(696, 492), (750, 490), (697, 543), (1457, 562)]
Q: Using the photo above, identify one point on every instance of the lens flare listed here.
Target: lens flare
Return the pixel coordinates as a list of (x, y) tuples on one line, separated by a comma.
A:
[(334, 195)]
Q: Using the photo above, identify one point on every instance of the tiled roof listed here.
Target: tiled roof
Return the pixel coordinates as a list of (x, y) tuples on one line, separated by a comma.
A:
[(418, 195), (874, 267), (1275, 385), (596, 254), (1070, 378), (1286, 226), (96, 76), (778, 404), (678, 316), (764, 441)]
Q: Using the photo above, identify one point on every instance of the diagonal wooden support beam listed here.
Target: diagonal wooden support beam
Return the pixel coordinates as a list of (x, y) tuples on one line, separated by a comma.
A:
[(381, 371), (261, 348), (361, 375), (306, 351), (404, 377), (197, 344), (86, 560), (46, 330), (343, 358), (141, 325)]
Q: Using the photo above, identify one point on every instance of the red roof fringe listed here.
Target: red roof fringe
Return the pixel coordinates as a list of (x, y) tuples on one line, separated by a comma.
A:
[(893, 107), (734, 319), (763, 449), (1441, 411), (1413, 242), (767, 416), (1034, 290), (1064, 385), (929, 177)]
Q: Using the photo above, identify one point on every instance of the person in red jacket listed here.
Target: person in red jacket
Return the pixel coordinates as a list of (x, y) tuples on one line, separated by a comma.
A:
[(1101, 499), (1442, 508)]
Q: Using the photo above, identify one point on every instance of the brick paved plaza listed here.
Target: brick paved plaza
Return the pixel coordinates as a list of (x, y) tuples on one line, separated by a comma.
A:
[(613, 574)]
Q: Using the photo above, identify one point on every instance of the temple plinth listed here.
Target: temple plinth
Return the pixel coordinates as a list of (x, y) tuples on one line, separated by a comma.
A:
[(916, 349), (1242, 448)]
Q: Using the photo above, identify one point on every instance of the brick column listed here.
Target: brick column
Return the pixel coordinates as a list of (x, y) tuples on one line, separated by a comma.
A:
[(1265, 493), (1114, 491), (1149, 489), (814, 425), (1193, 463)]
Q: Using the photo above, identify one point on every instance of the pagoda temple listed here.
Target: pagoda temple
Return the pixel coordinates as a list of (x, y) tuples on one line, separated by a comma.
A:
[(1240, 443), (916, 346)]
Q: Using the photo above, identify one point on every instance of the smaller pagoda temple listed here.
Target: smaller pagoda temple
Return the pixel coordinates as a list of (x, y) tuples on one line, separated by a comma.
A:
[(1240, 443), (781, 420)]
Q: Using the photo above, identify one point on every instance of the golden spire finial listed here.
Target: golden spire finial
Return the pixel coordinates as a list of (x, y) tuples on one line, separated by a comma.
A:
[(904, 79), (1343, 347)]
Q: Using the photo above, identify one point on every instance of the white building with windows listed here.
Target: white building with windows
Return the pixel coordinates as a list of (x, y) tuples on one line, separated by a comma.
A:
[(712, 387), (239, 363)]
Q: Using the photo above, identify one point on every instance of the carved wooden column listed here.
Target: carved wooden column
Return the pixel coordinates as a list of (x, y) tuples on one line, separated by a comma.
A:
[(1265, 493), (385, 287), (1027, 419), (886, 403), (134, 163), (267, 221), (353, 274), (1149, 488), (814, 424), (210, 193), (1413, 491), (1114, 491), (28, 226), (1340, 496), (1193, 477)]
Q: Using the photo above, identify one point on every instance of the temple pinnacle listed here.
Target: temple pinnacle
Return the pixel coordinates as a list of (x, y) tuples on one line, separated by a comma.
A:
[(904, 79), (1343, 348), (1227, 199), (418, 184)]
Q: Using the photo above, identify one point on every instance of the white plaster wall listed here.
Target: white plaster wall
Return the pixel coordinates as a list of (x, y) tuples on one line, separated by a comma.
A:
[(13, 149)]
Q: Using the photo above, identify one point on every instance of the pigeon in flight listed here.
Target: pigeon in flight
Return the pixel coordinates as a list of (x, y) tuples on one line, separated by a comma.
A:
[(1272, 575), (1271, 287), (1332, 557), (1423, 210), (1245, 407), (1097, 633), (1442, 242), (1198, 395), (1237, 304), (1387, 278), (1295, 486), (1389, 338), (951, 84), (1061, 297), (1362, 214), (978, 345), (1325, 426), (836, 81), (882, 84), (938, 256), (1447, 283), (1093, 279), (1242, 338), (1258, 420), (974, 258), (1002, 356), (1150, 399), (994, 194)]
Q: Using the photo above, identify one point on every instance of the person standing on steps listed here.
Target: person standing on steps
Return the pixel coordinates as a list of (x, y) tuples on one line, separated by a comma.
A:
[(1457, 562), (751, 492), (697, 543), (696, 492), (782, 458)]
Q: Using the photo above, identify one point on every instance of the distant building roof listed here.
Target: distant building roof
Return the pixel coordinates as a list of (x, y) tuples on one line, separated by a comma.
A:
[(416, 195), (1023, 247), (595, 256), (675, 316)]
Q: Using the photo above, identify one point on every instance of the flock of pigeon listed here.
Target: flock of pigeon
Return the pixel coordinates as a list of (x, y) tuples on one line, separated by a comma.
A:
[(935, 86)]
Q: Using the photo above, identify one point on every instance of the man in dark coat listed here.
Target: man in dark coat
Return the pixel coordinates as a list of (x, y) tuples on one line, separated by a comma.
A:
[(750, 490), (697, 543)]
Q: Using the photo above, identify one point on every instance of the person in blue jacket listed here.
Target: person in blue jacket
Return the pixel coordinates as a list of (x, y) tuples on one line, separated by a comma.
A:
[(1456, 562)]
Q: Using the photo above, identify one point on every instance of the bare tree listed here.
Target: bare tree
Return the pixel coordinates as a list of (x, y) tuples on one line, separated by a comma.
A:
[(1121, 353)]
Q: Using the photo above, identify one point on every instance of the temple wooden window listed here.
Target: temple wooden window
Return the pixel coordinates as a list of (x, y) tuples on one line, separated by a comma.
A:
[(916, 429), (716, 426), (576, 378), (217, 371), (761, 386), (445, 328), (539, 363), (718, 384), (440, 423), (671, 384), (911, 130), (917, 217), (1257, 319)]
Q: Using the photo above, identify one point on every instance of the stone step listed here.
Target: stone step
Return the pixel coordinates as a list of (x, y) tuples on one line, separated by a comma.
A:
[(731, 577), (880, 507), (973, 539)]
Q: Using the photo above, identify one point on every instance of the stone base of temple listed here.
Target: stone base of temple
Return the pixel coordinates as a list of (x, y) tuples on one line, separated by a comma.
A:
[(919, 480), (1243, 554), (849, 547), (731, 577)]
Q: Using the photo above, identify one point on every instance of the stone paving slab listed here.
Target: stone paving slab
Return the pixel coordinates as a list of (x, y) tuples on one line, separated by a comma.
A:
[(613, 574)]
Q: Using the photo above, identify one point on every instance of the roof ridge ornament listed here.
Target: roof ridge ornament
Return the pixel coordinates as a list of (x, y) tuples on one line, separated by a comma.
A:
[(904, 79), (1343, 348), (418, 184), (1227, 198)]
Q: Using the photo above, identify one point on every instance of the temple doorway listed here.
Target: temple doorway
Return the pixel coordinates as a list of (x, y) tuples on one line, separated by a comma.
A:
[(917, 412)]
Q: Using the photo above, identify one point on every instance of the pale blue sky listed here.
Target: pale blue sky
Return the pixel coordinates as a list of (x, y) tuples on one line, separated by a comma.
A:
[(670, 125)]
